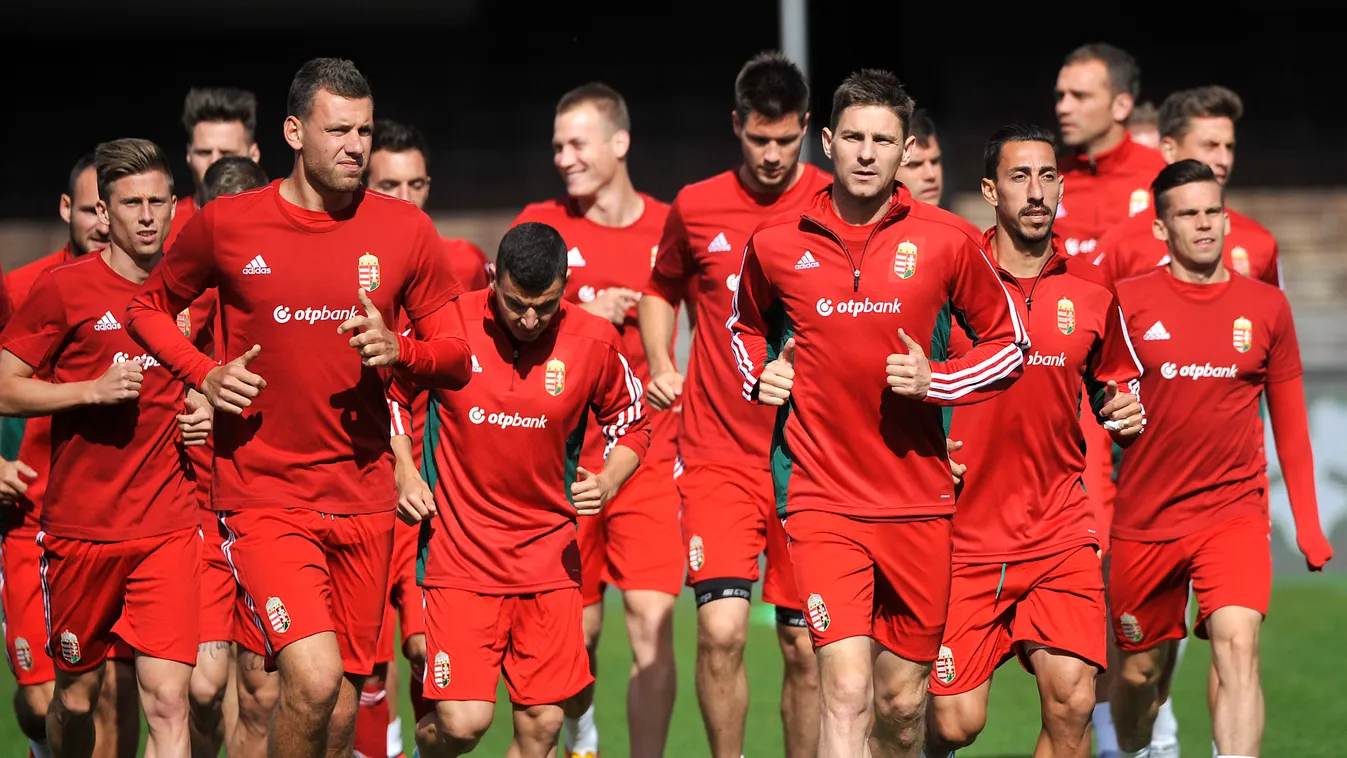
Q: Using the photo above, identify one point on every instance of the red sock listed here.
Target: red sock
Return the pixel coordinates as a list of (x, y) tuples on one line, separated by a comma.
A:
[(420, 706), (371, 722)]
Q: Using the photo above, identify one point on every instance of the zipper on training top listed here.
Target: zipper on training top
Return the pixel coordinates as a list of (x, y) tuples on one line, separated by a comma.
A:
[(1029, 298), (855, 267)]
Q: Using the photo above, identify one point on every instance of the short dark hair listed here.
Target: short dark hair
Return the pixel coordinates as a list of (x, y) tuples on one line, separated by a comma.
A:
[(922, 127), (991, 154), (336, 75), (771, 85), (1124, 75), (607, 100), (84, 163), (220, 104), (1178, 174), (1144, 114), (397, 137), (872, 86), (1179, 109), (231, 175), (131, 156), (533, 255)]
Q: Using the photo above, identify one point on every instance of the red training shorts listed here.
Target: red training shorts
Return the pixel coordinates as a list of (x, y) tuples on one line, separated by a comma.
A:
[(303, 572), (25, 622), (635, 542), (404, 596), (219, 591), (1228, 563), (887, 580), (134, 589), (999, 610), (537, 638), (729, 519)]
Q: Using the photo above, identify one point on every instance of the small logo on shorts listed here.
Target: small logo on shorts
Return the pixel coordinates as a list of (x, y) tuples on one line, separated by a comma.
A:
[(442, 669), (1131, 628), (944, 666), (818, 613), (696, 553), (70, 647), (277, 615), (23, 654)]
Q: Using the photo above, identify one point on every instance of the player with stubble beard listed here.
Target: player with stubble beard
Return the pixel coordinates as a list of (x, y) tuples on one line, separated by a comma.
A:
[(220, 122)]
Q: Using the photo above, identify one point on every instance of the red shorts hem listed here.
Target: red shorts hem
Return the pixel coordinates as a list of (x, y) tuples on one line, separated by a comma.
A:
[(635, 541)]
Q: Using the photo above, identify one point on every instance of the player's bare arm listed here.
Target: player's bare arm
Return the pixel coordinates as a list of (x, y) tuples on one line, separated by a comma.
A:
[(415, 500), (12, 476), (232, 387), (778, 377), (658, 319), (590, 492), (23, 396), (909, 374), (374, 341), (195, 424)]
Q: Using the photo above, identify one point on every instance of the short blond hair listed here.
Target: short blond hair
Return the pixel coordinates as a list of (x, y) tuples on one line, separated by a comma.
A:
[(604, 98), (130, 156)]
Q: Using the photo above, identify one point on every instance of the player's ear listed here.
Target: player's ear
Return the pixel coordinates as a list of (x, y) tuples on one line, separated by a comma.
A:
[(101, 208), (294, 132), (737, 125), (827, 136), (1226, 216), (67, 207), (908, 144), (1169, 149), (621, 143), (989, 192), (1122, 105), (1159, 230), (255, 153)]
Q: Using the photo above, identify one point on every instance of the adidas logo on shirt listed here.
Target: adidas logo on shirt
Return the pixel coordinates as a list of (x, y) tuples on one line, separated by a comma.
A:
[(574, 259), (806, 261), (257, 266), (106, 323), (719, 244), (1156, 332)]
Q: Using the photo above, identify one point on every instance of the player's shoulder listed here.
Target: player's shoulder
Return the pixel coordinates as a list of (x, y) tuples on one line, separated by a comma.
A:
[(548, 211), (1130, 230), (707, 194), (462, 247), (1088, 274), (1257, 290), (578, 323), (1142, 286), (1250, 229), (946, 225), (656, 211), (388, 206), (33, 269)]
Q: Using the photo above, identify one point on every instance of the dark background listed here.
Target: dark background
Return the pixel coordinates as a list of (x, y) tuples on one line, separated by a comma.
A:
[(481, 78)]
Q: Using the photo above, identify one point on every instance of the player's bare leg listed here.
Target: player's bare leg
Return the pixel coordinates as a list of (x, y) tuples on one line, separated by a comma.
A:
[(1141, 684), (535, 731), (163, 696), (210, 680), (799, 691), (582, 737), (341, 724), (900, 706), (1237, 718), (230, 708), (654, 677), (312, 682), (846, 697), (70, 719), (258, 693), (31, 702), (454, 728), (1066, 693), (955, 721), (117, 715), (722, 683), (415, 651)]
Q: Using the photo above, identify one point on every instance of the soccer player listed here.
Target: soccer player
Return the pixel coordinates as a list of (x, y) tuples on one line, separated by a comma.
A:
[(729, 511), (924, 172), (1143, 126), (303, 475), (220, 121), (635, 542), (502, 584), (862, 476), (1027, 579), (1195, 123), (1192, 492), (121, 551)]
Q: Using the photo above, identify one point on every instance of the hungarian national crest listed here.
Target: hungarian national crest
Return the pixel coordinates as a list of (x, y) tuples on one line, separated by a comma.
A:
[(70, 647), (1066, 316), (944, 666), (1243, 336), (278, 615), (696, 553), (905, 260), (818, 613), (554, 379), (1138, 202), (1239, 258), (442, 673), (1131, 628), (369, 272), (185, 322)]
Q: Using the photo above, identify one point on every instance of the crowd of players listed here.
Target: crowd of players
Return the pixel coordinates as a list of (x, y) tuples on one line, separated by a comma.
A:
[(252, 381)]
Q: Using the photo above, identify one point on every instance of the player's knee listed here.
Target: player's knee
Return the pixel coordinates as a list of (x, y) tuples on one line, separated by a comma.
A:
[(1139, 671), (540, 724), (846, 696), (457, 725), (415, 650), (79, 696), (722, 632), (312, 690), (165, 701), (31, 702), (1234, 649), (1067, 709), (957, 721)]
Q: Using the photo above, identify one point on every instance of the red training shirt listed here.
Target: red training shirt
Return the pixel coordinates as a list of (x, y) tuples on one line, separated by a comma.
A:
[(851, 445), (469, 262), (183, 211), (702, 249), (118, 472), (1099, 192), (1131, 249), (601, 257), (1208, 352), (317, 436), (1023, 497), (505, 523)]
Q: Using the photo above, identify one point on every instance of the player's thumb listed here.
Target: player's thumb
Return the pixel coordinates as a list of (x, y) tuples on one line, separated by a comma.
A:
[(788, 351), (247, 357), (365, 303), (582, 473), (912, 347)]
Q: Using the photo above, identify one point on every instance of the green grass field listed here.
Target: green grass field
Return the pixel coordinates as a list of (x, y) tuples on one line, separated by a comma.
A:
[(1304, 670)]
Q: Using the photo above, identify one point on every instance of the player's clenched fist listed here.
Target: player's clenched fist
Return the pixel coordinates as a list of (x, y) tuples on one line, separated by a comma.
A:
[(664, 390), (778, 377), (12, 484), (415, 500), (1122, 412), (377, 345), (121, 382), (232, 387), (909, 374), (590, 492), (195, 424)]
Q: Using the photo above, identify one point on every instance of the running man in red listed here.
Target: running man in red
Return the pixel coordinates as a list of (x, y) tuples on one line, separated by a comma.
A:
[(121, 548), (502, 568), (220, 121), (729, 510), (862, 475), (398, 166), (1192, 491), (1199, 124), (1027, 579), (303, 473), (613, 234)]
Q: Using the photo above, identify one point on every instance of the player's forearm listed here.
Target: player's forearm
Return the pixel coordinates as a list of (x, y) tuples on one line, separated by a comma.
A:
[(402, 451), (987, 370), (1290, 430), (444, 362), (156, 330), (658, 320), (26, 397), (621, 464)]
